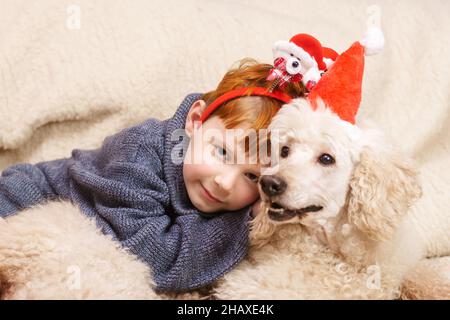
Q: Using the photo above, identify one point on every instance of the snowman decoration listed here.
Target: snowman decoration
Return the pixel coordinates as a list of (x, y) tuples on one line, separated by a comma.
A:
[(300, 59)]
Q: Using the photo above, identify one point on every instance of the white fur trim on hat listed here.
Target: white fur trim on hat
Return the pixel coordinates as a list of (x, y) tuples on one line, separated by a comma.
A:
[(297, 51), (373, 41), (328, 62)]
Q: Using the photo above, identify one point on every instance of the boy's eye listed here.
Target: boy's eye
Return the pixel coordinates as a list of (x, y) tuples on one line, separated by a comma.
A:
[(221, 152), (252, 177)]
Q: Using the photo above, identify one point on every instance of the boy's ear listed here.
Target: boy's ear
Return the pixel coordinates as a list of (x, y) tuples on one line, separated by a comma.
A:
[(193, 116)]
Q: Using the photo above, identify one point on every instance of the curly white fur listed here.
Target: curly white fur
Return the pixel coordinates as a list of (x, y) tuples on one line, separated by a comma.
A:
[(52, 251)]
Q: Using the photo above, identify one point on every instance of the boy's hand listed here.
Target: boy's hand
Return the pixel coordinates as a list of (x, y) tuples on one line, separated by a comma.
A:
[(256, 208)]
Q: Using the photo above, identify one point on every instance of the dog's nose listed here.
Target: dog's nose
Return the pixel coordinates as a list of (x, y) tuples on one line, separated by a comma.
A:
[(272, 185)]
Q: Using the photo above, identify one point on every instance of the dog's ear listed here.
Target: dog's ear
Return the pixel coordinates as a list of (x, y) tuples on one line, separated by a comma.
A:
[(382, 188)]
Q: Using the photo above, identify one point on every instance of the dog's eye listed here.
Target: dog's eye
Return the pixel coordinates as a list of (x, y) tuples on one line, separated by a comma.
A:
[(326, 159), (253, 177), (284, 152)]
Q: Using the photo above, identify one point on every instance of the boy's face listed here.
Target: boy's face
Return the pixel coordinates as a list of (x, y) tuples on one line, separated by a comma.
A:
[(215, 178)]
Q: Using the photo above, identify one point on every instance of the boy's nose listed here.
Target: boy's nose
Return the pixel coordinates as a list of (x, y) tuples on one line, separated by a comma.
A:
[(225, 181)]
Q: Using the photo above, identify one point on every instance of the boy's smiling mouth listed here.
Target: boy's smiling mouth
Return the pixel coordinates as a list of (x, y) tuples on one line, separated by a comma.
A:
[(209, 196)]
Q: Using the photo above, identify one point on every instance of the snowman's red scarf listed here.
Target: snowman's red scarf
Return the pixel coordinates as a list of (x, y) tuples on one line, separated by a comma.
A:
[(280, 74)]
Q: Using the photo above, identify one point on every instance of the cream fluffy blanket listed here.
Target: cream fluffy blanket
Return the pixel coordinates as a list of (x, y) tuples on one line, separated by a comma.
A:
[(72, 74)]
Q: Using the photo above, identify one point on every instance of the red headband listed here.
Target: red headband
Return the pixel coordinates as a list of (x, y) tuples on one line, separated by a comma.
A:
[(241, 92)]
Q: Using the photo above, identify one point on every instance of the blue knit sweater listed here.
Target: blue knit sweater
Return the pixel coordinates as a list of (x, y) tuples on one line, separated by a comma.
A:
[(136, 193)]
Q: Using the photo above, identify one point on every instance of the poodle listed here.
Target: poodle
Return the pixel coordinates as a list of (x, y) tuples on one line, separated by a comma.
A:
[(334, 221)]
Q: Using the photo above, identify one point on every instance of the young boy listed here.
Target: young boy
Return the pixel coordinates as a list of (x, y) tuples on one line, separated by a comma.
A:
[(186, 219)]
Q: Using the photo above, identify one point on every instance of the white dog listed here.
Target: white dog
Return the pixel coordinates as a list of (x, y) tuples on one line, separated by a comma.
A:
[(335, 199)]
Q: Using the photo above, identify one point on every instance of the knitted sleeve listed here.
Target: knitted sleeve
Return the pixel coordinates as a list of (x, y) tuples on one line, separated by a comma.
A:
[(24, 185)]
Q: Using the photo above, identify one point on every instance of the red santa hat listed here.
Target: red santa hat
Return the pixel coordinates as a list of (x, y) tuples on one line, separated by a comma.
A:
[(340, 87)]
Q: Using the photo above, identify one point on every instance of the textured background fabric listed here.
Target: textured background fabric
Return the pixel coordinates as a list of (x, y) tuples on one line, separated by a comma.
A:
[(63, 88)]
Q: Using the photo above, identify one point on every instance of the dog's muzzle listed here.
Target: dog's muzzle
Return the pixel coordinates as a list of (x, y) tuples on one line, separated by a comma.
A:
[(278, 213), (272, 185)]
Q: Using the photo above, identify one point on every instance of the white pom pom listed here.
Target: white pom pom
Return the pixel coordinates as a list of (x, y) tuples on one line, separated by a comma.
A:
[(373, 41)]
